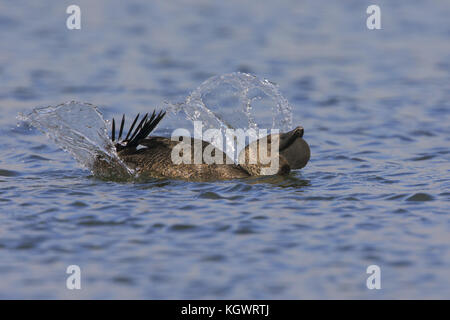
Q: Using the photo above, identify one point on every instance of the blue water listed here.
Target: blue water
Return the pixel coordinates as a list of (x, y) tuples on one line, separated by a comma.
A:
[(375, 106)]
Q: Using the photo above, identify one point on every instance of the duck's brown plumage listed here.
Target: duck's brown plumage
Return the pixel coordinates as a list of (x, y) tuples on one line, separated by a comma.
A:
[(152, 156)]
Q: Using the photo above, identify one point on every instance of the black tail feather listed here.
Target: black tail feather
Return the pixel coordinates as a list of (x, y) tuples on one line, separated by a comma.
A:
[(132, 126), (138, 128), (121, 126), (113, 130), (145, 127)]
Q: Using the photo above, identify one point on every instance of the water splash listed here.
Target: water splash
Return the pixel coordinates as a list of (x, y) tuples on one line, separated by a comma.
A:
[(230, 101), (236, 100), (79, 128)]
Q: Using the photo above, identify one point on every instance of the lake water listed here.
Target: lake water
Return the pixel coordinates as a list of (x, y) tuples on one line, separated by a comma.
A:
[(375, 105)]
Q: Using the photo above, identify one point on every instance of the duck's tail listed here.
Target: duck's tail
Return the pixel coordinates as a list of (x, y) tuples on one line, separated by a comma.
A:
[(133, 138)]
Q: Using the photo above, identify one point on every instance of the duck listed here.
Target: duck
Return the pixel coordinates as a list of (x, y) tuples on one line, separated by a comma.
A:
[(162, 157)]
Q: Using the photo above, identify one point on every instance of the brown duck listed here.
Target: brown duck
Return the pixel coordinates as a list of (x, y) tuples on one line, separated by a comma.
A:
[(152, 156)]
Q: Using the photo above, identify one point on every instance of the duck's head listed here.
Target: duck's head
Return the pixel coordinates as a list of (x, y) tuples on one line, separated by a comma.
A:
[(294, 148), (292, 153)]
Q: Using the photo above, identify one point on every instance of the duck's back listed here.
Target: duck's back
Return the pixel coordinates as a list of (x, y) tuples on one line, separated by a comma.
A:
[(154, 157)]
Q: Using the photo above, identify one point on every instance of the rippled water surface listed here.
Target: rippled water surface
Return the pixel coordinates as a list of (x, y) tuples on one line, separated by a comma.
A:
[(375, 106)]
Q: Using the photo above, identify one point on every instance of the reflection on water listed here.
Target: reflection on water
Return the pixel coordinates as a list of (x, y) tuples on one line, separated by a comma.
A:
[(374, 105)]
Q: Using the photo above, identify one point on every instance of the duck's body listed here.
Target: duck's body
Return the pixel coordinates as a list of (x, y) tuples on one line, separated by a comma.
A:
[(154, 156)]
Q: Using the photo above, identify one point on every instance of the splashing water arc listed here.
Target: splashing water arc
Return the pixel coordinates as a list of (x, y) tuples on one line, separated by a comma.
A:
[(235, 100), (238, 100), (79, 129)]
